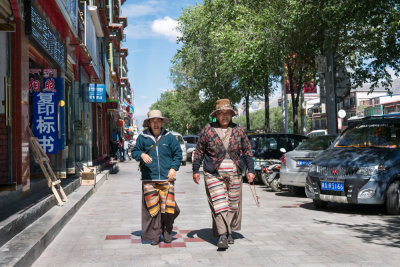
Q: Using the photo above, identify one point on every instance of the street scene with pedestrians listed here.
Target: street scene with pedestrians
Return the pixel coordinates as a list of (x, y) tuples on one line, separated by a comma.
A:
[(199, 132)]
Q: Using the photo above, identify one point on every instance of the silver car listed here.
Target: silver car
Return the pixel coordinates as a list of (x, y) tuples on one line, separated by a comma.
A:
[(295, 164)]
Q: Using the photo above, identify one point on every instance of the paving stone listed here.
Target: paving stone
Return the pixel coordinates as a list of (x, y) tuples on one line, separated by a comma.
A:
[(271, 235)]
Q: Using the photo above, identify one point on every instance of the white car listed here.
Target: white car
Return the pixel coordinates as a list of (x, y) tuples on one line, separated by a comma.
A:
[(317, 133), (182, 142)]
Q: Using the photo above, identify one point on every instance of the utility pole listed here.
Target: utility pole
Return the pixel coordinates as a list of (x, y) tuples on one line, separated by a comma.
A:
[(331, 109), (284, 100), (303, 113)]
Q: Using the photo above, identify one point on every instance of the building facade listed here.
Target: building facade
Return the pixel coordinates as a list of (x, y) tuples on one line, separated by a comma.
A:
[(61, 62)]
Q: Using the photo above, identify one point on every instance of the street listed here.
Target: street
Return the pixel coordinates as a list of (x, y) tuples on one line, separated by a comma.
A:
[(285, 231)]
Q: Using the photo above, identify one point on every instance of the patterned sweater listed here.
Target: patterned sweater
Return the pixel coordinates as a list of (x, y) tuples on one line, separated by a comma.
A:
[(211, 149)]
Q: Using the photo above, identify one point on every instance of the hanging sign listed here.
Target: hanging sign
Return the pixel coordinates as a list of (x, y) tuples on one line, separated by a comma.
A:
[(97, 93), (111, 104)]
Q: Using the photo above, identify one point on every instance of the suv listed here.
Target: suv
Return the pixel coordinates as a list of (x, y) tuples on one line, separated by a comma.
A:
[(361, 167), (267, 148), (182, 143)]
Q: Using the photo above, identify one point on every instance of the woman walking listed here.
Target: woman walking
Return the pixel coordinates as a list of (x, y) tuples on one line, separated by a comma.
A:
[(160, 156), (226, 151)]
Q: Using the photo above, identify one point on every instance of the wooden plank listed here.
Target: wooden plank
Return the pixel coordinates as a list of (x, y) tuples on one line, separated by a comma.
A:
[(42, 159)]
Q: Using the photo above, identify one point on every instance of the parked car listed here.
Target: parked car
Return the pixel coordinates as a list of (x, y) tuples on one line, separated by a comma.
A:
[(268, 148), (191, 142), (183, 146), (317, 133), (295, 164), (362, 166)]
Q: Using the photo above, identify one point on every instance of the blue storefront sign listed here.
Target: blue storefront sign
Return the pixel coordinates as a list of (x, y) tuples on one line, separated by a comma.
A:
[(97, 93), (45, 120), (48, 115)]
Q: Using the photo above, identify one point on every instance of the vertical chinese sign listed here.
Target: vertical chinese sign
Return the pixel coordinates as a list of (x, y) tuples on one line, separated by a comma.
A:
[(45, 114)]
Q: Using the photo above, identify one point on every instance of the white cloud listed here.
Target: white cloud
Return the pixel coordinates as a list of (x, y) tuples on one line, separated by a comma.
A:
[(143, 96), (139, 10), (166, 27), (139, 31)]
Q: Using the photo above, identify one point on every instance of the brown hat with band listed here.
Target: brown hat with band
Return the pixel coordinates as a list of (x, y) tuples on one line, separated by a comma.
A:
[(154, 114), (223, 104)]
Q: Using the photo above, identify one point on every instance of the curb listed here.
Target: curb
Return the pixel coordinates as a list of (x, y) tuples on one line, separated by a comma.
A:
[(28, 245)]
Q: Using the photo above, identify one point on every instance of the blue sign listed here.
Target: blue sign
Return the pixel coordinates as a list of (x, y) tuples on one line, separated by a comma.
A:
[(97, 93), (45, 126)]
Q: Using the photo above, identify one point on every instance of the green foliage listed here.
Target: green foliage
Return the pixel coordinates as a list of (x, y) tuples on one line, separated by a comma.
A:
[(236, 48), (276, 120)]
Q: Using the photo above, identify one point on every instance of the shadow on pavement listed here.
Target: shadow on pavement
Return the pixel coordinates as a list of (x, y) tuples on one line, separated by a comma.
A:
[(385, 233), (207, 235), (348, 209), (289, 194)]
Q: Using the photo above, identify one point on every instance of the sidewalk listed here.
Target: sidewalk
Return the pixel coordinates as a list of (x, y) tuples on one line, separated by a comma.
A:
[(285, 231)]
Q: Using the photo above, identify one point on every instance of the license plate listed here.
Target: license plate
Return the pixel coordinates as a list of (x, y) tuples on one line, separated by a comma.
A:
[(333, 186), (301, 163)]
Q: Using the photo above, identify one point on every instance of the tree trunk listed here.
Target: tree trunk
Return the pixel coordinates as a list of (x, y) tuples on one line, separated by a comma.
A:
[(247, 112), (266, 105)]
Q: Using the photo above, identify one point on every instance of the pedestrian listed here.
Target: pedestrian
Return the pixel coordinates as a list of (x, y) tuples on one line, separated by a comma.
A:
[(115, 139), (226, 152), (160, 156), (126, 146)]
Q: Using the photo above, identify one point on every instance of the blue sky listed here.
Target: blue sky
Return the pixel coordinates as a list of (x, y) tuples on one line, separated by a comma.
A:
[(151, 42)]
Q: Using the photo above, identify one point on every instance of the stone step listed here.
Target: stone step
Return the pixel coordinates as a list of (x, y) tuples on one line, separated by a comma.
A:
[(31, 233)]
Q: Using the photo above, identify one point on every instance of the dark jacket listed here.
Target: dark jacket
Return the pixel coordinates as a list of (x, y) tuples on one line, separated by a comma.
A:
[(167, 155), (211, 149)]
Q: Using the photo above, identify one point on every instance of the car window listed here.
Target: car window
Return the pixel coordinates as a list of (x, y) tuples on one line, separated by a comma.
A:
[(190, 139), (316, 143), (289, 143), (374, 135)]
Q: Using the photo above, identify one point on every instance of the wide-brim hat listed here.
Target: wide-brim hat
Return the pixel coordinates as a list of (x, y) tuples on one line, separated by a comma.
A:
[(153, 114), (223, 104)]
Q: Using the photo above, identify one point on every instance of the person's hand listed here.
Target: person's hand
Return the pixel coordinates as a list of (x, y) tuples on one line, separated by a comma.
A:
[(196, 177), (171, 175), (146, 158), (250, 177)]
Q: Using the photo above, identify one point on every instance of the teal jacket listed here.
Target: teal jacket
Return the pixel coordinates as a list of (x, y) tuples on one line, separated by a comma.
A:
[(167, 155)]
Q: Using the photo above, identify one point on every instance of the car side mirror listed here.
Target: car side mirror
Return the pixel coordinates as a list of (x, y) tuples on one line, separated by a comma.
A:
[(283, 150)]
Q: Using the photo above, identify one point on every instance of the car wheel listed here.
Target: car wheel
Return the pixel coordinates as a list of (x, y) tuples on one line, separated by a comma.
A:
[(320, 204), (275, 185), (393, 199), (183, 163)]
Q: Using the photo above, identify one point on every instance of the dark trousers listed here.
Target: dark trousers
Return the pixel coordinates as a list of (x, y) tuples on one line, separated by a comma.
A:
[(153, 227)]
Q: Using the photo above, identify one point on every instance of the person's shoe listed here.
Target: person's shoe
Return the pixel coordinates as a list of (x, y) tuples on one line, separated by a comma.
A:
[(222, 242), (230, 240), (155, 241), (167, 237)]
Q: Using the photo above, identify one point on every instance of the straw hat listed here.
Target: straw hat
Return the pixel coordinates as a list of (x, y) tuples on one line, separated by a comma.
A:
[(223, 104), (152, 114)]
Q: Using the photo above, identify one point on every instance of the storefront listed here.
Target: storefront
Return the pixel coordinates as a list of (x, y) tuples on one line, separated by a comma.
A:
[(47, 68)]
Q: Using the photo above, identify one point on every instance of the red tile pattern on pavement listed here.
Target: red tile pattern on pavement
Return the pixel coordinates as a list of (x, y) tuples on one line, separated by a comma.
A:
[(117, 237), (179, 238)]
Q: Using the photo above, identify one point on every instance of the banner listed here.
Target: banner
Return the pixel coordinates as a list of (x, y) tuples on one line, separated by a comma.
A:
[(45, 120), (48, 115), (97, 93)]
